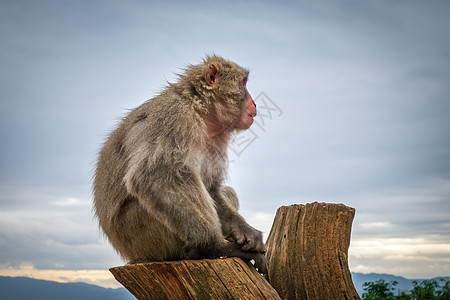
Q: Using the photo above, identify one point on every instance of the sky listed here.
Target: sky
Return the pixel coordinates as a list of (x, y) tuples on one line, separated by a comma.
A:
[(353, 101)]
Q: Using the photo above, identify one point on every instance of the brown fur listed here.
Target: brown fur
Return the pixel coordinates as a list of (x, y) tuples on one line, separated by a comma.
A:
[(158, 186)]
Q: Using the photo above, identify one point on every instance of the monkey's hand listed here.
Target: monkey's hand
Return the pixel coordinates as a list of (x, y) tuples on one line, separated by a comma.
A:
[(259, 259), (247, 237), (227, 249)]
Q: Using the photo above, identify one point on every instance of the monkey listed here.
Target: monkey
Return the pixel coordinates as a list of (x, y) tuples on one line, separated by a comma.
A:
[(158, 187)]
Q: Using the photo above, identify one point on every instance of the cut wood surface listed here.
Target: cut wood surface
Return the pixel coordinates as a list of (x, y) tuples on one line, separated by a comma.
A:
[(307, 250), (229, 278)]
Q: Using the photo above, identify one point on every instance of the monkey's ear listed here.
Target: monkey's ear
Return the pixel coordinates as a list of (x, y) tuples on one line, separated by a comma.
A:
[(212, 75)]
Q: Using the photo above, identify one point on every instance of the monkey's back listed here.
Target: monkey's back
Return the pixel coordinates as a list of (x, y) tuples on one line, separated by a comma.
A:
[(140, 140)]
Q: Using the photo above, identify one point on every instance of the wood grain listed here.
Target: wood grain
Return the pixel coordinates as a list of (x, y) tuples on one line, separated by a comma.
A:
[(308, 252)]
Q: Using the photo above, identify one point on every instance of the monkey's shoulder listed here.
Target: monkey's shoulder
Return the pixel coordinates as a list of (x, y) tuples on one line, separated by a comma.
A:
[(165, 122), (166, 106)]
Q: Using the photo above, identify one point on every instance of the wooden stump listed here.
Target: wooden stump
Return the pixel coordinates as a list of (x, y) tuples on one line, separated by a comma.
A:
[(307, 249), (230, 278)]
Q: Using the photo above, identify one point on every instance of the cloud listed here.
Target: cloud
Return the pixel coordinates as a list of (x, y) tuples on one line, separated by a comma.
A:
[(412, 257), (53, 232), (98, 277)]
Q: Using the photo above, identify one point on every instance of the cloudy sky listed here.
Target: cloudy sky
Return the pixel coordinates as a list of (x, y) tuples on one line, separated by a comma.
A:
[(354, 108)]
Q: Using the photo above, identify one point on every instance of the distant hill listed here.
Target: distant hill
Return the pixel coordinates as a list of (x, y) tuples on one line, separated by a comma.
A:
[(404, 284), (22, 288)]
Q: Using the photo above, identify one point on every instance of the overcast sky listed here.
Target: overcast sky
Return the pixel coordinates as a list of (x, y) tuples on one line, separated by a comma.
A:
[(353, 101)]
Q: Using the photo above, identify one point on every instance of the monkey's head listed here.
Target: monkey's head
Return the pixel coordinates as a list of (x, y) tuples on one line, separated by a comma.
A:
[(222, 86)]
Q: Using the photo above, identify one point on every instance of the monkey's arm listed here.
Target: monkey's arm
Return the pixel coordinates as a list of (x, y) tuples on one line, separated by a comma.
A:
[(188, 210), (234, 227)]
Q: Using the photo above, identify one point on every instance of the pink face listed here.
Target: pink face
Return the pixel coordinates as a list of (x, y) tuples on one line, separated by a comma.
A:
[(246, 119), (250, 110)]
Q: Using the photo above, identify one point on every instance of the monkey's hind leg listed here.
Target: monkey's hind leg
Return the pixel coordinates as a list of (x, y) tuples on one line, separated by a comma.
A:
[(140, 237)]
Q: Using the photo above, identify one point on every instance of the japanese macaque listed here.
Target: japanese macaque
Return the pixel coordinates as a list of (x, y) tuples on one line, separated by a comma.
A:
[(159, 190)]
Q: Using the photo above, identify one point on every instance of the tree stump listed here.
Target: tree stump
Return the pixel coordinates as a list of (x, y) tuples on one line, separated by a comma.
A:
[(229, 278), (307, 250)]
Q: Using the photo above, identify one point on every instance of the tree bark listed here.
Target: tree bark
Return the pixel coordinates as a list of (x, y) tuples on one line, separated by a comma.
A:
[(307, 250), (229, 278)]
